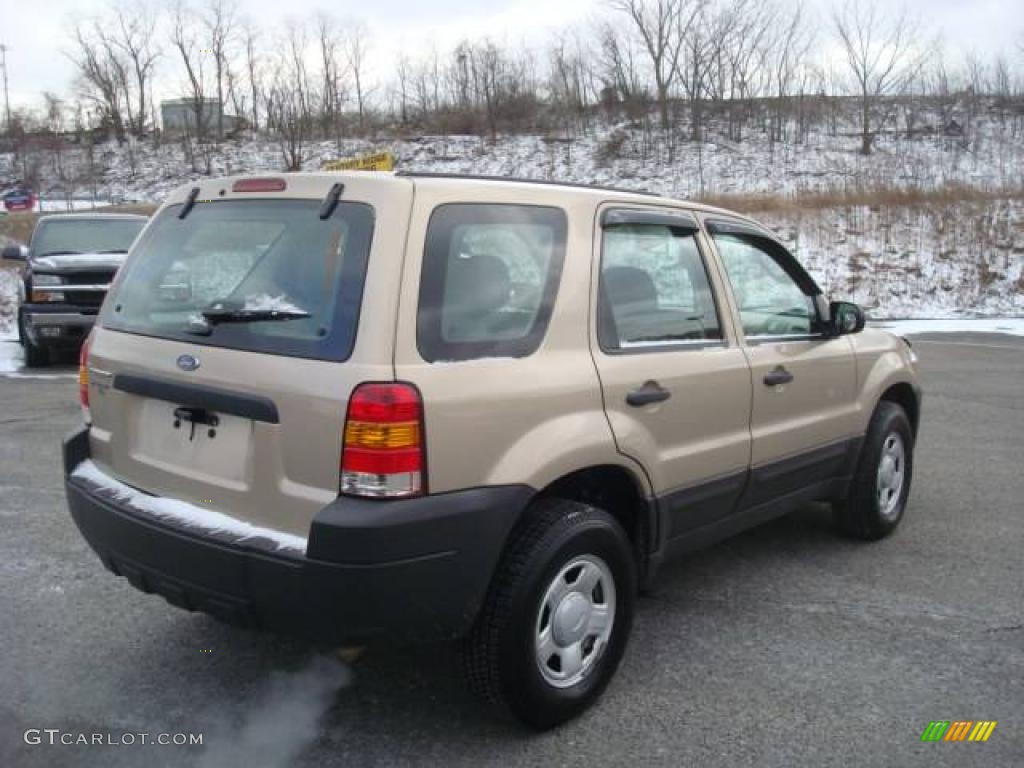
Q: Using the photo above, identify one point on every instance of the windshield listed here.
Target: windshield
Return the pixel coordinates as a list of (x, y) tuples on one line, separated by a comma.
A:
[(85, 236), (231, 272)]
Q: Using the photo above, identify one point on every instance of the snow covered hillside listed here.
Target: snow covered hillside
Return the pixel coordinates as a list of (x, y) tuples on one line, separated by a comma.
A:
[(935, 259), (955, 254), (615, 155)]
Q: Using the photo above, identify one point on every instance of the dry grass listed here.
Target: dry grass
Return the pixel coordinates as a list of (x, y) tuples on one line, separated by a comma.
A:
[(17, 226), (877, 197)]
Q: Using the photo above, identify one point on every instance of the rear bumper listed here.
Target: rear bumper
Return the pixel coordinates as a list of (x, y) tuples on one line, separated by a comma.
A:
[(60, 325), (410, 570)]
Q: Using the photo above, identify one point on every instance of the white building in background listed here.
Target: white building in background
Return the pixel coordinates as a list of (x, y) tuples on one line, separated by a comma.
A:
[(179, 116)]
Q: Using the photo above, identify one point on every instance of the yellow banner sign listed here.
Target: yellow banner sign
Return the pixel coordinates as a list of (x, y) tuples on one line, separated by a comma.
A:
[(379, 161)]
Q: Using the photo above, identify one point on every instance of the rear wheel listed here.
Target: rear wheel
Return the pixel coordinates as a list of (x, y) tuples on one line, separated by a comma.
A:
[(557, 617), (880, 488), (35, 356)]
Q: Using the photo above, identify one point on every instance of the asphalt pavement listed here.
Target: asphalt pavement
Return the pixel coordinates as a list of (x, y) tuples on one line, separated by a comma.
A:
[(784, 646)]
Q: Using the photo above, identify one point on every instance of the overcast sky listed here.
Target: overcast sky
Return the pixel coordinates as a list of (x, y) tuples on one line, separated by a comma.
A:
[(35, 31)]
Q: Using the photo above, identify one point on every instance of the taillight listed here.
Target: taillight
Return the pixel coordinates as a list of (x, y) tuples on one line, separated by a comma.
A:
[(83, 378), (383, 452)]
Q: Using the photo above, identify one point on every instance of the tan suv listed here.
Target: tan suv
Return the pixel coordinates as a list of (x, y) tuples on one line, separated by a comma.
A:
[(354, 405)]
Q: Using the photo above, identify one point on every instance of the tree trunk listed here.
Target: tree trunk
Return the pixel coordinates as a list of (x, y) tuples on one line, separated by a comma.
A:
[(865, 137), (663, 106)]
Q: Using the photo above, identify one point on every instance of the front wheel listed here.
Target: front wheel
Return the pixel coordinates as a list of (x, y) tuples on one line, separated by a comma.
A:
[(557, 617), (879, 490), (35, 356)]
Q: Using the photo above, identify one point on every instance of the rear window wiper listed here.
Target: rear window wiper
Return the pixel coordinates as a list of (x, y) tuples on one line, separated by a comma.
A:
[(216, 315), (202, 324)]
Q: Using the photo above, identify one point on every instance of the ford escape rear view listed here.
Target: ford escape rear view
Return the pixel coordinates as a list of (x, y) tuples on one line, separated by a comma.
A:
[(352, 406)]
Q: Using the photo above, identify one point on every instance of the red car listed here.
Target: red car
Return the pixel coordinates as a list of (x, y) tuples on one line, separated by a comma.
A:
[(20, 200)]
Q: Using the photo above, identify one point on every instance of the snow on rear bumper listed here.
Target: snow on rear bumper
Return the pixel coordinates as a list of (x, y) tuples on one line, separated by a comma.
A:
[(412, 569)]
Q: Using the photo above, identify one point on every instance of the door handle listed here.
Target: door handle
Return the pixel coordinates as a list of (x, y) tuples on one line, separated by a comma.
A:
[(650, 392), (778, 375)]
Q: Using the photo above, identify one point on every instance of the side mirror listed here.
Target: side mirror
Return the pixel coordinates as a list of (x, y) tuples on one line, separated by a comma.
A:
[(845, 317), (14, 253)]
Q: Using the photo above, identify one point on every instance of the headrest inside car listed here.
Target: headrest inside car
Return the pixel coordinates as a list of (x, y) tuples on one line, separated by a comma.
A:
[(630, 289)]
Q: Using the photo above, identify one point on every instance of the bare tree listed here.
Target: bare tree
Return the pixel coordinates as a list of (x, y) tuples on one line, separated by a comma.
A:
[(427, 84), (487, 71), (619, 70), (291, 125), (663, 26), (100, 74), (698, 47), (356, 46), (54, 114), (184, 41), (403, 79), (219, 21), (291, 97), (331, 92), (787, 53), (740, 57), (570, 82), (882, 55), (254, 72), (133, 35), (238, 95)]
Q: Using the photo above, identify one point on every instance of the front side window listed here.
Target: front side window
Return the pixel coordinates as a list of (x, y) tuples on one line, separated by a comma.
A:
[(259, 275), (654, 289), (771, 301), (490, 274)]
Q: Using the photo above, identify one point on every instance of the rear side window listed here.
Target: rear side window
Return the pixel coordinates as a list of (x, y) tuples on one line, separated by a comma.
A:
[(654, 289), (490, 275), (259, 275)]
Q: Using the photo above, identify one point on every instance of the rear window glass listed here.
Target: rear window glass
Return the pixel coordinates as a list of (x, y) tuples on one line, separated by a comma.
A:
[(259, 275), (490, 274), (56, 236)]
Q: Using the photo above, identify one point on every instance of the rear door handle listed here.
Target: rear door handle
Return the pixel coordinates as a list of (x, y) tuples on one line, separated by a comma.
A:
[(650, 392), (778, 375)]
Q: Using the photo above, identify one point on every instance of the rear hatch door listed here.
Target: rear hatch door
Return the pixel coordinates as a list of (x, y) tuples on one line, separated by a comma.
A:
[(225, 355)]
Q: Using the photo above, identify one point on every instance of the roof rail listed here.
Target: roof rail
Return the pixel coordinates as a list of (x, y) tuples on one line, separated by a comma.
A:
[(521, 180)]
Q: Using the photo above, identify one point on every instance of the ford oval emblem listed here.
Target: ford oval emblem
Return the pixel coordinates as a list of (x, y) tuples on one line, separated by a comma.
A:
[(188, 363)]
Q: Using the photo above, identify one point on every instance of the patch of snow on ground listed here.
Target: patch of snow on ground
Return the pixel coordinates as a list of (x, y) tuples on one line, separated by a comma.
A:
[(10, 354), (61, 205), (184, 513), (12, 362), (8, 303)]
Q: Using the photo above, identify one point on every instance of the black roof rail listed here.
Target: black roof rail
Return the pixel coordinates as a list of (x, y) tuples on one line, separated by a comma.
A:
[(521, 180)]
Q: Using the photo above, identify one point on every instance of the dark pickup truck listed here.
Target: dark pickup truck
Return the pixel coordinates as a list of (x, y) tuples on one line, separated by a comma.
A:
[(70, 261)]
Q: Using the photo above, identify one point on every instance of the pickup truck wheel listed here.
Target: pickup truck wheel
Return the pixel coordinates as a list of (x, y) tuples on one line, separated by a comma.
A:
[(35, 356), (557, 617), (880, 488)]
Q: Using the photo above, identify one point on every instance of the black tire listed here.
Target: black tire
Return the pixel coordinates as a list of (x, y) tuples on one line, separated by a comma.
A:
[(861, 515), (499, 654), (35, 356)]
